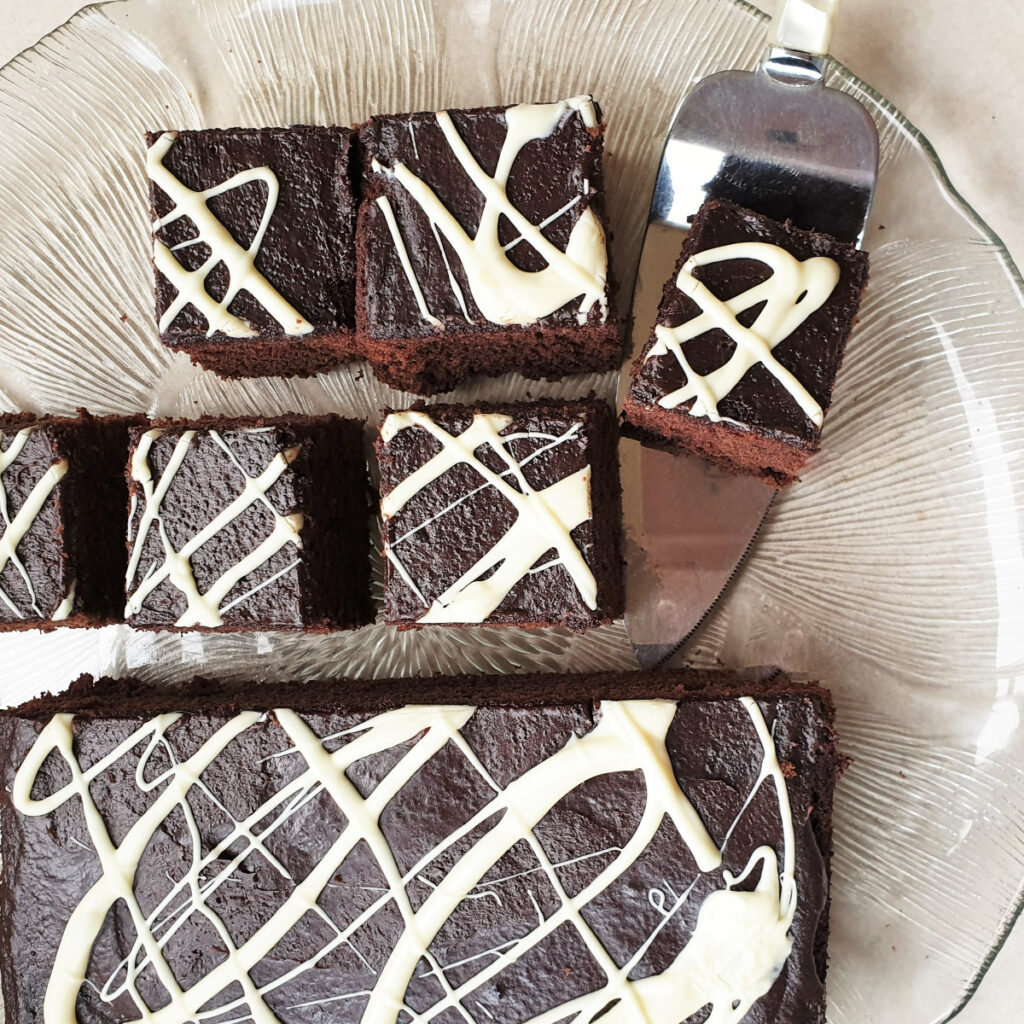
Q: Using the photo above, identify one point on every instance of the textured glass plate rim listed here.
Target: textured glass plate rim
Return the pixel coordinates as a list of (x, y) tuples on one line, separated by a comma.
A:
[(1015, 911)]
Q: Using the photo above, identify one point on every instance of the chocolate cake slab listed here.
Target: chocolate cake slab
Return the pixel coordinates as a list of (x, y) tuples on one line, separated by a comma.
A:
[(501, 514), (481, 245), (749, 339), (248, 524), (620, 847), (62, 500), (254, 247)]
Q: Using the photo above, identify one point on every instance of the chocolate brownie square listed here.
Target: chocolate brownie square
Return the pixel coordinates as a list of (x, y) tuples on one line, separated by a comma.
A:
[(749, 339), (62, 501), (248, 524), (619, 847), (481, 246), (501, 514), (254, 247)]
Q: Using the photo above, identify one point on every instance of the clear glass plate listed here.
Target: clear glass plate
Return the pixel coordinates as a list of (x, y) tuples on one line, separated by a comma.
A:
[(894, 572)]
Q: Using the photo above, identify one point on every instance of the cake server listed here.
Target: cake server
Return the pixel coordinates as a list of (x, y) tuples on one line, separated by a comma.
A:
[(779, 141)]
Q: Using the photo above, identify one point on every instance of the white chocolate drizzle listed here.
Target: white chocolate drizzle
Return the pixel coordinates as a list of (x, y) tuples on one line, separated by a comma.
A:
[(403, 257), (739, 945), (544, 520), (793, 292), (240, 261), (14, 530), (737, 948), (503, 293), (67, 606), (205, 609)]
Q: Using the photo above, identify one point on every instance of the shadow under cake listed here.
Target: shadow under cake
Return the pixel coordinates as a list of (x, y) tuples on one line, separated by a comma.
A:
[(481, 246), (254, 247), (749, 338), (248, 524)]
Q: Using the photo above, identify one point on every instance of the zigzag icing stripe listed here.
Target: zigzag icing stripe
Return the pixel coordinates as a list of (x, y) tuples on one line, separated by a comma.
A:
[(503, 293), (14, 530), (794, 291), (240, 261), (544, 519), (204, 609)]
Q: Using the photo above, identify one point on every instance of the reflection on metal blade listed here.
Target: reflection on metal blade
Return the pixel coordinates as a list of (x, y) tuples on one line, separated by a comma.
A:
[(688, 525)]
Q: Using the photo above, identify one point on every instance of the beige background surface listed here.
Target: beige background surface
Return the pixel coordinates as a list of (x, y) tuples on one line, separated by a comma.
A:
[(954, 67)]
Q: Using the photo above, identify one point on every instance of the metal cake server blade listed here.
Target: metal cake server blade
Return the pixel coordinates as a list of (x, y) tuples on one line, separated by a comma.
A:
[(779, 141)]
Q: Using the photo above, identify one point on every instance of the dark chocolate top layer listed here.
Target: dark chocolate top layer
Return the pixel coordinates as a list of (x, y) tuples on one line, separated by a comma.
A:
[(548, 174), (812, 352), (457, 519), (315, 837), (36, 578), (288, 467), (308, 251), (62, 502)]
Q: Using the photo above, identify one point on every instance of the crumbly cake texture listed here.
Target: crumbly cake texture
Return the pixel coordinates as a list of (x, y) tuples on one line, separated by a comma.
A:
[(749, 339), (481, 247), (254, 247), (248, 524), (640, 847), (62, 500), (501, 514)]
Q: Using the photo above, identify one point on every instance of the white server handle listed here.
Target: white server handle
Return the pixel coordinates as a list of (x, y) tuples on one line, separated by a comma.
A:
[(804, 25)]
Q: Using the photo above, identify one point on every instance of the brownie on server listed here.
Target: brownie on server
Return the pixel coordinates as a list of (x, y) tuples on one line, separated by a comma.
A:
[(248, 524), (750, 336), (254, 247), (501, 514), (637, 847), (62, 502), (481, 247)]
